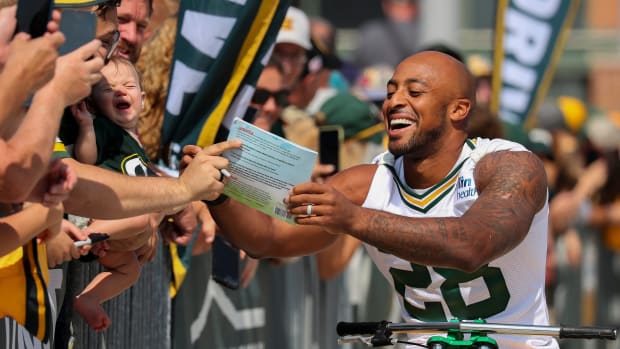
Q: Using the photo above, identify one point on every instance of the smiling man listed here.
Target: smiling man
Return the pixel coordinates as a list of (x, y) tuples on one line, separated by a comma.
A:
[(480, 255)]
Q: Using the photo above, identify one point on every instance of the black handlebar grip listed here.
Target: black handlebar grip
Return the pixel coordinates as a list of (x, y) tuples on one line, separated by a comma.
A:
[(352, 328), (589, 332)]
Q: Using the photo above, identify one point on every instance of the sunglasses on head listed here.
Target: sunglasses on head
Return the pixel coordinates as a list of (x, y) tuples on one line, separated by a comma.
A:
[(111, 43), (261, 96)]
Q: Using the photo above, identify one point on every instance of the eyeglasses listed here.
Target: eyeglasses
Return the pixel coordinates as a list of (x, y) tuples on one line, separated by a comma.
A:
[(111, 45), (261, 96)]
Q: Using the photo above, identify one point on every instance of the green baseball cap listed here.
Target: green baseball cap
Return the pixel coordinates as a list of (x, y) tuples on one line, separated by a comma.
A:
[(353, 114)]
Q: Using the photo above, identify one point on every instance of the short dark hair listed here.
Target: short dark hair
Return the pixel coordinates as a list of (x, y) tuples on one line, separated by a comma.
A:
[(103, 7)]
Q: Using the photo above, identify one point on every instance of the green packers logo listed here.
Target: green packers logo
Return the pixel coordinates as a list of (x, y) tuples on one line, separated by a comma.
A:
[(133, 165)]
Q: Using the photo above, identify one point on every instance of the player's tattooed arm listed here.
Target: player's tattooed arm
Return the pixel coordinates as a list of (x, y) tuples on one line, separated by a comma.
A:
[(512, 189)]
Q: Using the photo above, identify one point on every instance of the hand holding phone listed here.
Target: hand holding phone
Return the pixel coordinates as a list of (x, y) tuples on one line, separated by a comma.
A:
[(33, 16), (93, 238), (330, 139), (225, 264)]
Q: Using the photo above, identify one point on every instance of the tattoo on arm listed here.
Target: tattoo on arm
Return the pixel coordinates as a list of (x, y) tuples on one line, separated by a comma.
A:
[(512, 188)]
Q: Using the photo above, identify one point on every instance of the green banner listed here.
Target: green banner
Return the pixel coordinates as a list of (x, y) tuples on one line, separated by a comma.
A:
[(529, 39), (220, 50)]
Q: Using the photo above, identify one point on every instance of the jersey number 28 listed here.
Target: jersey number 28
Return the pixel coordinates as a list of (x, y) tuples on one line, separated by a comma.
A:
[(420, 277)]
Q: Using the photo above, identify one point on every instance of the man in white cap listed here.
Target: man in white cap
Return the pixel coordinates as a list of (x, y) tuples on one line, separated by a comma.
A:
[(291, 44)]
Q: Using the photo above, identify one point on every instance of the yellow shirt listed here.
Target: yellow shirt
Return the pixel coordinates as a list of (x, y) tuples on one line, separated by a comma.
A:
[(23, 295)]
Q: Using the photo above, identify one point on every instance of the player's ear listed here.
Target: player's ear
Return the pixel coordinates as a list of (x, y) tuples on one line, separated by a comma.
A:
[(143, 95), (459, 109)]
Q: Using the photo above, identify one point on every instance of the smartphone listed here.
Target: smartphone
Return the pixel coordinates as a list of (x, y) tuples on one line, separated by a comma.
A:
[(225, 263), (93, 238), (330, 139), (79, 28), (33, 16)]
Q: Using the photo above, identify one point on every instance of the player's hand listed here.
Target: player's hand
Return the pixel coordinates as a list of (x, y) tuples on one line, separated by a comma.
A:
[(329, 208)]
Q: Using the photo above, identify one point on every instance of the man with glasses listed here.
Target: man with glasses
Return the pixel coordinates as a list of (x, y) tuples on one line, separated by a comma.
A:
[(106, 27), (269, 97)]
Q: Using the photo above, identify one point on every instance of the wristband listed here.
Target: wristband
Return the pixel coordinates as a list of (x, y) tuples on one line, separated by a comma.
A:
[(219, 200)]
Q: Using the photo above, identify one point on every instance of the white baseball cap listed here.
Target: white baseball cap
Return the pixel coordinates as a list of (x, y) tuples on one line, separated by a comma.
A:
[(295, 29), (603, 130)]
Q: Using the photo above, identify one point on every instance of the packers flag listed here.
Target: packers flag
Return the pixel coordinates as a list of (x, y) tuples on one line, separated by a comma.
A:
[(529, 39), (220, 50)]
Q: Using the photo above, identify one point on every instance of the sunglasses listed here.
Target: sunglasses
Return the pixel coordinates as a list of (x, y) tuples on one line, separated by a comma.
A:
[(111, 44), (261, 96)]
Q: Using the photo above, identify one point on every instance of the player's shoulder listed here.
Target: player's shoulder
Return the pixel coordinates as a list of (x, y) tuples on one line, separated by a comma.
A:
[(499, 159), (489, 145), (492, 148), (497, 149), (354, 182)]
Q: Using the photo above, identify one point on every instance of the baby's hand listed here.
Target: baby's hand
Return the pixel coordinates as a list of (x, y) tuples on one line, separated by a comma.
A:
[(81, 114)]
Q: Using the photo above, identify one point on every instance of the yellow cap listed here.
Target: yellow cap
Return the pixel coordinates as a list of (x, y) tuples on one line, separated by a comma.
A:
[(479, 65), (575, 112), (77, 3)]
